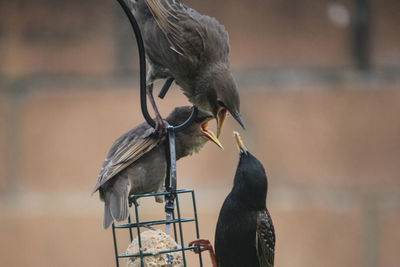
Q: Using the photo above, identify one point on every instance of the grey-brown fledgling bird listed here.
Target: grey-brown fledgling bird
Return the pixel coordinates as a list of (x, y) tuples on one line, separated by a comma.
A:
[(191, 48), (245, 234), (136, 162)]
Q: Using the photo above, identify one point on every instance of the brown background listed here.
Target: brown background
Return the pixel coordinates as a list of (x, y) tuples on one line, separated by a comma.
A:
[(327, 133)]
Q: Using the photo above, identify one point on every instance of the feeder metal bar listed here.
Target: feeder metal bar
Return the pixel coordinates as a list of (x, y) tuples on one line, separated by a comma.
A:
[(180, 230), (130, 228), (115, 245), (151, 223), (172, 150), (175, 234), (197, 224), (169, 205), (165, 88), (138, 234), (156, 253), (180, 191)]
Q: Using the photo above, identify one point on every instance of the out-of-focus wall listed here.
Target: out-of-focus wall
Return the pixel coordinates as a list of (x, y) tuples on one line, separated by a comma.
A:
[(328, 135), (94, 38)]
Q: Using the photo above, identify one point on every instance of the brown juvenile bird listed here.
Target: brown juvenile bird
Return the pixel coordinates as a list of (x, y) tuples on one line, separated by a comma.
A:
[(191, 48), (136, 162), (245, 235)]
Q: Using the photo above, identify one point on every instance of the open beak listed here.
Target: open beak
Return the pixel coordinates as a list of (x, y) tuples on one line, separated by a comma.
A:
[(221, 116), (239, 142), (210, 135)]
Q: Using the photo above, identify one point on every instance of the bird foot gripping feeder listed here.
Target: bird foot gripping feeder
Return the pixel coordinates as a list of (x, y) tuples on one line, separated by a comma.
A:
[(139, 254)]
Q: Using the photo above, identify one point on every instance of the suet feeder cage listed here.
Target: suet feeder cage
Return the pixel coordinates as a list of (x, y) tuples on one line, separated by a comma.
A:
[(175, 223)]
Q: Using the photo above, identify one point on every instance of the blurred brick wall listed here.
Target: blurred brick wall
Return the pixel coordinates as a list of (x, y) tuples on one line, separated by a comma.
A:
[(94, 38), (58, 37), (330, 140)]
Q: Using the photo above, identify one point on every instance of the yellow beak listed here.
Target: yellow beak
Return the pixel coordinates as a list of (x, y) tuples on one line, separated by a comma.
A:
[(239, 142), (221, 116), (210, 135)]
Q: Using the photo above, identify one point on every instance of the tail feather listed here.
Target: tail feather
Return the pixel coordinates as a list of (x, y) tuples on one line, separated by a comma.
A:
[(108, 219), (119, 205), (115, 197)]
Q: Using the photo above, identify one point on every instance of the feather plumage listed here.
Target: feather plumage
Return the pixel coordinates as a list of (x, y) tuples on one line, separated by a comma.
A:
[(174, 18), (125, 151), (265, 239)]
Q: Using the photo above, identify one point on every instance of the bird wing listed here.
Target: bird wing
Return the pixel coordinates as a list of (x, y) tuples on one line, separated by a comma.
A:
[(265, 239), (182, 30), (126, 150)]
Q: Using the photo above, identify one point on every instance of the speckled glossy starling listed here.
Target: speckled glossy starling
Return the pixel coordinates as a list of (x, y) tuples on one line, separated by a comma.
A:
[(136, 162), (245, 235), (191, 48)]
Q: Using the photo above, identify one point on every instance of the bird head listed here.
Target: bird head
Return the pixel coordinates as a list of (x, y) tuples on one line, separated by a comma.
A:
[(196, 134), (249, 164), (250, 178), (220, 95)]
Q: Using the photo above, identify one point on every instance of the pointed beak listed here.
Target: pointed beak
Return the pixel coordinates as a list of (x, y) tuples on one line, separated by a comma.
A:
[(238, 118), (210, 135), (239, 142), (221, 116)]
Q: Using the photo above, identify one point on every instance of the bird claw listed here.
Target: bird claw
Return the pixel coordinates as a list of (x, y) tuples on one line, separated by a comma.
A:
[(161, 127), (203, 245)]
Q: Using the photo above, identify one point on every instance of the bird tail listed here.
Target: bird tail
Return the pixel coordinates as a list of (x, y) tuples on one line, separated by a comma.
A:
[(119, 205), (115, 208), (115, 203), (108, 219)]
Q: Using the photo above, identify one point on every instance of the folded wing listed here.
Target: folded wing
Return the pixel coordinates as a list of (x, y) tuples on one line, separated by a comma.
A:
[(126, 150), (265, 239)]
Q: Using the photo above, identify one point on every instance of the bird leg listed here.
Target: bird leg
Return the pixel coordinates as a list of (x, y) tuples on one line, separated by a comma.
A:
[(160, 127), (204, 244)]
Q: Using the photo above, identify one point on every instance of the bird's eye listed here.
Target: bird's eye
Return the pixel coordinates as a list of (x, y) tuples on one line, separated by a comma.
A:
[(220, 103)]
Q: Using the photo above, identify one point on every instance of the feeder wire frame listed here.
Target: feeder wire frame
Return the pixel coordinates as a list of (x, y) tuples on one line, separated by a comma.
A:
[(177, 222)]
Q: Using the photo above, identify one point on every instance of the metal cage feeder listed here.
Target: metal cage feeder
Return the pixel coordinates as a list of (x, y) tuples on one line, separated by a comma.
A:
[(176, 221)]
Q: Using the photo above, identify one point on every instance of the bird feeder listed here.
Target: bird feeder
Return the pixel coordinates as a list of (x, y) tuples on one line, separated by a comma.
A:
[(138, 226), (172, 209)]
